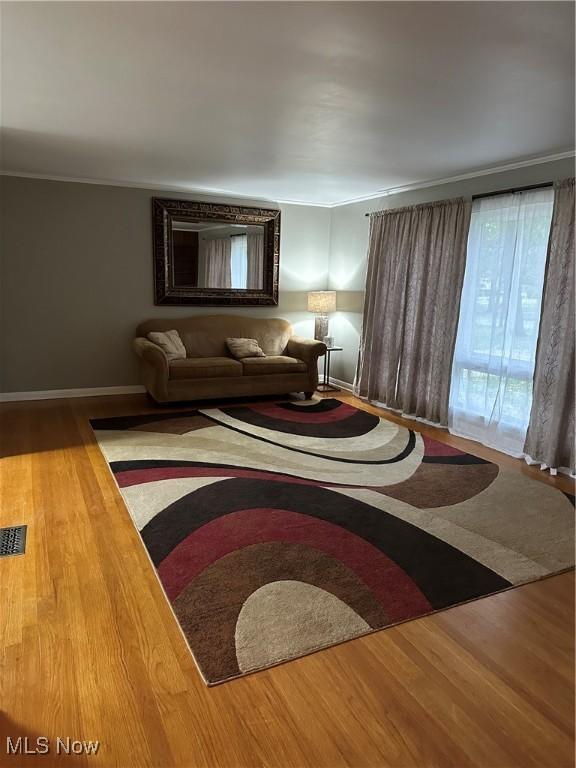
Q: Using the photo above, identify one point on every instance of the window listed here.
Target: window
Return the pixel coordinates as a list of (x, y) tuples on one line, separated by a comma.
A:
[(239, 261), (491, 392)]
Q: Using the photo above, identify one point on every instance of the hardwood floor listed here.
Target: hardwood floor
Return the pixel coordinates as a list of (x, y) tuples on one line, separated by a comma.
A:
[(89, 648)]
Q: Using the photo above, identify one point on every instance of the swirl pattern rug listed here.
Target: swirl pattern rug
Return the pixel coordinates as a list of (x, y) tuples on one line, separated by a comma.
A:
[(283, 528)]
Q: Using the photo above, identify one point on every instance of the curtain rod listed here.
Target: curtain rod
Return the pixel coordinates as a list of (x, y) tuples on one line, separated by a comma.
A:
[(511, 191)]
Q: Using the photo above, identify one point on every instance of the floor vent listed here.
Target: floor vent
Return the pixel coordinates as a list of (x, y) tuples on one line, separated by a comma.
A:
[(12, 540)]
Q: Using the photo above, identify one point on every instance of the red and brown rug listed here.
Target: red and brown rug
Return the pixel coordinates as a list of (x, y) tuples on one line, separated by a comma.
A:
[(280, 529)]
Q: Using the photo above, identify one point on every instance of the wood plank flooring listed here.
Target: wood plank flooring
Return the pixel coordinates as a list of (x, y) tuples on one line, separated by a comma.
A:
[(89, 648)]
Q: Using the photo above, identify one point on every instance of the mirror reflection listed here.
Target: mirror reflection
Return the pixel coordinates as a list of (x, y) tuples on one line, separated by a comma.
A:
[(212, 254)]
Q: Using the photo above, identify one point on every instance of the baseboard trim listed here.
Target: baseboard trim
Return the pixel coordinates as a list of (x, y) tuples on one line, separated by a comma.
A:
[(131, 389), (342, 384), (54, 394)]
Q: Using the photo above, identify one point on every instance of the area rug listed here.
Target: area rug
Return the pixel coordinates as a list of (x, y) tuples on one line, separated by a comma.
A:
[(284, 528)]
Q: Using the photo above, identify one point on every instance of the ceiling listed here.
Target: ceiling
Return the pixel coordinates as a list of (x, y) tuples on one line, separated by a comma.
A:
[(311, 102)]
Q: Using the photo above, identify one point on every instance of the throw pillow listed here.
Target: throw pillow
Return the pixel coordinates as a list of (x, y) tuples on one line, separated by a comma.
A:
[(240, 348), (170, 342)]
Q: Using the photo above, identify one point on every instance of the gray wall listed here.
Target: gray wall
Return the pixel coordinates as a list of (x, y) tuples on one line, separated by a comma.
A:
[(349, 242), (77, 279)]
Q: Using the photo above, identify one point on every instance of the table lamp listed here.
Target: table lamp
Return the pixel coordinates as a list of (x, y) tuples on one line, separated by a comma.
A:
[(321, 303)]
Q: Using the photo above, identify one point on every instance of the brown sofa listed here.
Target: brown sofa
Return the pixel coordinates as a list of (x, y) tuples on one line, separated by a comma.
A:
[(209, 371)]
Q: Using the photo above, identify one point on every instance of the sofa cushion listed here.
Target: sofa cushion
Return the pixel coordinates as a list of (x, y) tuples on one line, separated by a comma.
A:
[(272, 364), (170, 342), (204, 368), (240, 348)]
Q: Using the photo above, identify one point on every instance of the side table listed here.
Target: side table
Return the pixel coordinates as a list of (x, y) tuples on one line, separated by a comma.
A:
[(325, 385)]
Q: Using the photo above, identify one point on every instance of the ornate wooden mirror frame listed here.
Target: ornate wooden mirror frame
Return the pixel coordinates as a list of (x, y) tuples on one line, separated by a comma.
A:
[(165, 212)]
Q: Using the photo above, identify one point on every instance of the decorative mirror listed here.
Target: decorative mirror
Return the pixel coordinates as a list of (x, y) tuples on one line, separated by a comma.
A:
[(205, 253)]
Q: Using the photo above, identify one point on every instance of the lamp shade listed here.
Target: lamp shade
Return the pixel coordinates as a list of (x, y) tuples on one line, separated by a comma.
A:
[(322, 302)]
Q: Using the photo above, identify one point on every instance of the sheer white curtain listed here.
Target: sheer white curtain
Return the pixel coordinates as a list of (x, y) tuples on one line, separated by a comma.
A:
[(239, 261), (491, 388)]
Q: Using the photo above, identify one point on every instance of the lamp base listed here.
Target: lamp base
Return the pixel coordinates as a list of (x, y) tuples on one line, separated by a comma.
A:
[(320, 327)]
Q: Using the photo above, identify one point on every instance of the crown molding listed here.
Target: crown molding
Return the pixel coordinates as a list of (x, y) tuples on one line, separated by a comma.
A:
[(203, 191), (207, 191), (460, 177), (216, 192)]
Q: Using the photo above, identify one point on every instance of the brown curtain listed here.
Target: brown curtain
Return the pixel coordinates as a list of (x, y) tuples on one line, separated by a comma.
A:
[(550, 437), (416, 260), (218, 262), (255, 246)]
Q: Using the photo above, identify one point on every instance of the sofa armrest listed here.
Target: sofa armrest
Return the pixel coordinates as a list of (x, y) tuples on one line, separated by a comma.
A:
[(308, 350), (152, 354)]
